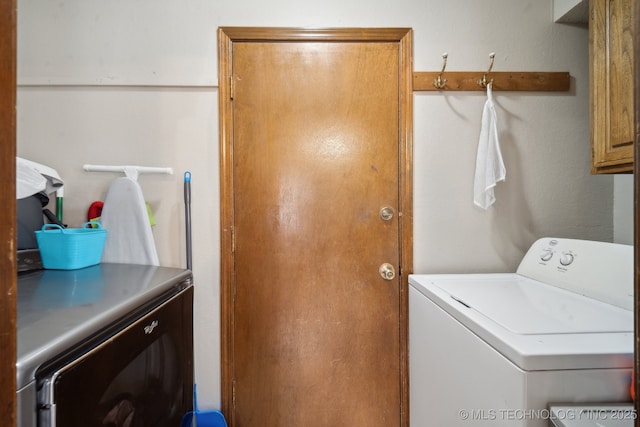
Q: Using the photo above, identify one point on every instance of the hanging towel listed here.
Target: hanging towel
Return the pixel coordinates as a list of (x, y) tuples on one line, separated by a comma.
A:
[(125, 216), (489, 164)]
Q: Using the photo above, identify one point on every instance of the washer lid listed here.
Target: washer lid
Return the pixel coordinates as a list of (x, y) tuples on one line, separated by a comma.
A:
[(525, 306), (534, 325)]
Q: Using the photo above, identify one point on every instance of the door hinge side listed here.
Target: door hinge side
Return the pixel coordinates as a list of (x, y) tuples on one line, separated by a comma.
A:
[(231, 88), (233, 239)]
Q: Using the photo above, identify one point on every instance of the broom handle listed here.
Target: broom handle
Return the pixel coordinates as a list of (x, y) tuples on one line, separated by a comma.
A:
[(187, 214)]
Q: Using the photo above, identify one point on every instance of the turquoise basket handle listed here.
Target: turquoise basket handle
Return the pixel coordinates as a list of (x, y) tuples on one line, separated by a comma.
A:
[(57, 227)]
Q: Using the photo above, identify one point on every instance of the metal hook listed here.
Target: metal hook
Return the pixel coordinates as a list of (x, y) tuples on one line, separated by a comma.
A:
[(483, 81), (439, 83)]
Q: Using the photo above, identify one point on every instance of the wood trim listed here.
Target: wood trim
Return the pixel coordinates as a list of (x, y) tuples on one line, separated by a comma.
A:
[(502, 81), (226, 37), (238, 34), (8, 212), (225, 45), (406, 206), (597, 92), (636, 206), (623, 168)]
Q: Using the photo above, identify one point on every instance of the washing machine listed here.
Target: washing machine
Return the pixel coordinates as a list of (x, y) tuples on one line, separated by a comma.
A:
[(500, 349)]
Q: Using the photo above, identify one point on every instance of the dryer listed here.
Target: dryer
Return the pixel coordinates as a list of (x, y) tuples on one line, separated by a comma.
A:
[(106, 345), (498, 349)]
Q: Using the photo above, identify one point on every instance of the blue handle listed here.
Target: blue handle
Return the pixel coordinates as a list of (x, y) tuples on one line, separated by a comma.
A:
[(52, 226)]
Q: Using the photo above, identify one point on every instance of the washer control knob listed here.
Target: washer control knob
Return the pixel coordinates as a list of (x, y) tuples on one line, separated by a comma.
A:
[(546, 255), (566, 259)]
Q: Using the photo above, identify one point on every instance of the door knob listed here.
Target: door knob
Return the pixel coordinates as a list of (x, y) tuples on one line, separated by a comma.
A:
[(387, 271), (386, 213)]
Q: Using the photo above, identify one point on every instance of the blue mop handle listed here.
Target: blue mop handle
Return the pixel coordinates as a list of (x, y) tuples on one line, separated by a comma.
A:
[(187, 214)]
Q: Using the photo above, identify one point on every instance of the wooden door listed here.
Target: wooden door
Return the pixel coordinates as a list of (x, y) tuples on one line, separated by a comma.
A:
[(315, 143)]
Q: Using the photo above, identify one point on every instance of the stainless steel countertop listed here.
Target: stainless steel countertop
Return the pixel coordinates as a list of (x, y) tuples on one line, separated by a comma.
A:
[(57, 309)]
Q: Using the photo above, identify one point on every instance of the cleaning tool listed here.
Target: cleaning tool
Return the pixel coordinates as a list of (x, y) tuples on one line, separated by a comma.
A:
[(212, 418), (187, 214)]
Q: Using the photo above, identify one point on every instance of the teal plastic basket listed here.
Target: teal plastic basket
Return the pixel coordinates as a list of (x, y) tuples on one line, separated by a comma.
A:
[(71, 248)]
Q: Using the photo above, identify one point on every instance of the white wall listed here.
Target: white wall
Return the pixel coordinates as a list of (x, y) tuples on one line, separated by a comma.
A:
[(123, 82), (623, 209)]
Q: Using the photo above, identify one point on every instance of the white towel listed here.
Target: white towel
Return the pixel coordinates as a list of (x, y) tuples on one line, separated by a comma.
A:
[(125, 217), (489, 164)]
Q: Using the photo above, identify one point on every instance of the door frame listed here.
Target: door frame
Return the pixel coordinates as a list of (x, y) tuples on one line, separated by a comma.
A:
[(8, 273), (636, 206), (226, 37)]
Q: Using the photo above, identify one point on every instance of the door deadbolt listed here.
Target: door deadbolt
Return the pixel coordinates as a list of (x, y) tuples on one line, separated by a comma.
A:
[(386, 213), (387, 271)]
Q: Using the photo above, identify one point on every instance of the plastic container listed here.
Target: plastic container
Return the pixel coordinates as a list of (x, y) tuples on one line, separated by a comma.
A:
[(71, 248), (198, 418)]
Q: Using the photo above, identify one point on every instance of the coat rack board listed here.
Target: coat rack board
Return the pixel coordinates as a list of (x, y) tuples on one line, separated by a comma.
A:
[(502, 81)]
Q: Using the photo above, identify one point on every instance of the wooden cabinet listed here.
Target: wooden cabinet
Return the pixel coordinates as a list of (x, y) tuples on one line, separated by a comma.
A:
[(611, 85)]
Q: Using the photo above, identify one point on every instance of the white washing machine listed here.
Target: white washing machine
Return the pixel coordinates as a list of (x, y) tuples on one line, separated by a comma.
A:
[(499, 349)]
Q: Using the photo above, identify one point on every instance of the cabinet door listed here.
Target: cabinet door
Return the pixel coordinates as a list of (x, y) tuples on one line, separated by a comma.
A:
[(611, 74)]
